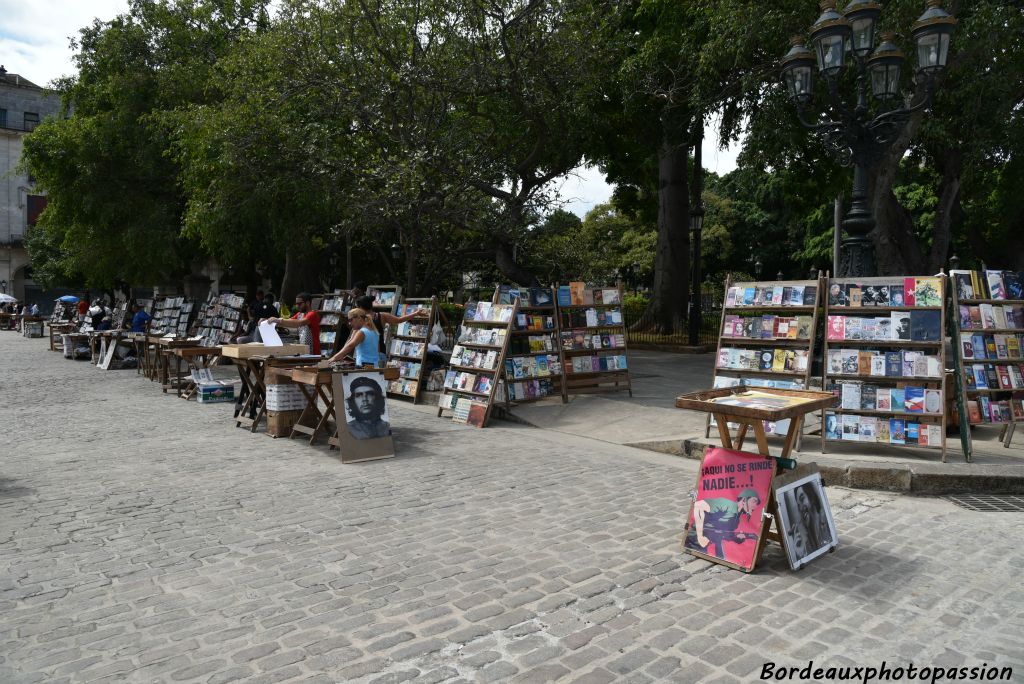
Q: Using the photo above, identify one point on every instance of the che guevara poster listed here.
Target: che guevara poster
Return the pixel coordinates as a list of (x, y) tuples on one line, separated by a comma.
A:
[(725, 523)]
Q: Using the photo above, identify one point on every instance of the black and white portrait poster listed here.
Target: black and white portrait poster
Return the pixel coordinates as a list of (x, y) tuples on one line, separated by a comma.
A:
[(366, 409), (805, 519)]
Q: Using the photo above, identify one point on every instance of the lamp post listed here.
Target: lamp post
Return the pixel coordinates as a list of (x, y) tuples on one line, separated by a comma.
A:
[(757, 268), (860, 134), (696, 226)]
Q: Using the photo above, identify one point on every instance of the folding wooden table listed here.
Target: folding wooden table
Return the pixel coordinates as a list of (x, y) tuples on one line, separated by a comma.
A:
[(195, 358), (750, 407), (252, 371)]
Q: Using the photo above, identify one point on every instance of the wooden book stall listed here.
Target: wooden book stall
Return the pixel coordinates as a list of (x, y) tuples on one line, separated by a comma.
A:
[(885, 359), (988, 352), (478, 357), (535, 363), (252, 362), (593, 339), (766, 337), (407, 348)]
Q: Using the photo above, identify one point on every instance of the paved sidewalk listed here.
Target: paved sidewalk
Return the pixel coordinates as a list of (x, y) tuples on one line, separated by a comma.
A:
[(145, 539), (649, 420)]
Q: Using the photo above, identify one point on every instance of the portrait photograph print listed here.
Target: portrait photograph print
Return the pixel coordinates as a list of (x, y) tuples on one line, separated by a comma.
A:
[(366, 411), (808, 530)]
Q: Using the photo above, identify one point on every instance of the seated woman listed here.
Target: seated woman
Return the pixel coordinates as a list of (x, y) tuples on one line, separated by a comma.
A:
[(363, 341)]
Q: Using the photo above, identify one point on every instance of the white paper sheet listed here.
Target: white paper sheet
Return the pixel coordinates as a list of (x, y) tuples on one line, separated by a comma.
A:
[(268, 331)]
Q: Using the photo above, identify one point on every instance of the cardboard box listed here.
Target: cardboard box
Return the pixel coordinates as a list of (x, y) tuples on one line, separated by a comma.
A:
[(215, 392), (244, 351), (279, 423)]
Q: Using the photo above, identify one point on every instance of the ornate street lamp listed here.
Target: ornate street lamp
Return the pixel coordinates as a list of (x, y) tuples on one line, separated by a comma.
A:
[(696, 227), (859, 134), (396, 251)]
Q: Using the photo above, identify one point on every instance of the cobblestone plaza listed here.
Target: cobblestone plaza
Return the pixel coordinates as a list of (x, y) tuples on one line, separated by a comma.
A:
[(145, 539)]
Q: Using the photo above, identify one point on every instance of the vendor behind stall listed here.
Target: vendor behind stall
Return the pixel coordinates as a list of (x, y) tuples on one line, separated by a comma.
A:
[(363, 341), (140, 318), (305, 320)]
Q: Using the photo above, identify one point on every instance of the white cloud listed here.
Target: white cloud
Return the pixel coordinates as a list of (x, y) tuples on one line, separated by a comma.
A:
[(34, 34)]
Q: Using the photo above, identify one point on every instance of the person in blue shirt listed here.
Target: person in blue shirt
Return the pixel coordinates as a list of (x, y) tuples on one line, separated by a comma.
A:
[(140, 319), (363, 342)]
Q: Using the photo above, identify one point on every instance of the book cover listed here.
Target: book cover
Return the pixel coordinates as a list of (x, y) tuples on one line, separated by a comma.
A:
[(810, 295), (850, 361), (925, 326), (920, 368), (765, 357), (833, 426), (900, 325), (868, 429), (883, 431), (856, 296), (835, 361), (1002, 346), (477, 414), (999, 316), (801, 359), (897, 398), (923, 435), (576, 289), (991, 376), (748, 296), (460, 413), (796, 295), (869, 328), (837, 296), (836, 327), (854, 328), (996, 289), (878, 364), (610, 296), (1016, 377), (911, 432), (564, 295), (927, 292), (913, 399), (776, 299), (909, 359), (1004, 377), (974, 311), (896, 295), (935, 435), (897, 433), (588, 297), (779, 361), (789, 363), (1013, 285), (803, 327), (730, 297), (1012, 347), (973, 412), (851, 428), (869, 295), (868, 397), (883, 399), (965, 317), (990, 347), (964, 284), (864, 363), (980, 379), (909, 292), (966, 348), (893, 364)]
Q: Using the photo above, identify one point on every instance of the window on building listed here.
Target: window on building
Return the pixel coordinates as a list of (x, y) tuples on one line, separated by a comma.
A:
[(31, 121), (36, 204), (3, 118)]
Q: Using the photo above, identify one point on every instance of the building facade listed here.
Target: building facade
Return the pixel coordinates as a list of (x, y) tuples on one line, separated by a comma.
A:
[(23, 104)]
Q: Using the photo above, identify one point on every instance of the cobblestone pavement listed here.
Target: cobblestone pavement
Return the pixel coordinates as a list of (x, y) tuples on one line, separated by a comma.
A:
[(143, 538)]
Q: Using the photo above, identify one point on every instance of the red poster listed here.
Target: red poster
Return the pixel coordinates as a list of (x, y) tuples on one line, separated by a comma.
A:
[(725, 521)]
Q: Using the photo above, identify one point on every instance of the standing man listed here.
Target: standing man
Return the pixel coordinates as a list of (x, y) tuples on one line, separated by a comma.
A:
[(266, 308), (305, 320)]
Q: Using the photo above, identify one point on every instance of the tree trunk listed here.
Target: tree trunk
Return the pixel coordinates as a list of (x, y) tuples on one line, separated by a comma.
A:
[(949, 197), (506, 263), (670, 295), (897, 250)]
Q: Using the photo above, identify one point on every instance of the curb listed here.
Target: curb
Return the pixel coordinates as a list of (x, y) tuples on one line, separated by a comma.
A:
[(923, 478)]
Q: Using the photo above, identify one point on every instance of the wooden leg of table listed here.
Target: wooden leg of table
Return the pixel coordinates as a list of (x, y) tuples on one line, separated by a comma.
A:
[(723, 430), (762, 438), (795, 428), (741, 436)]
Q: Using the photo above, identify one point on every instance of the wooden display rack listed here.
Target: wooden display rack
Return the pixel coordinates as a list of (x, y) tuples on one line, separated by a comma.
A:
[(591, 381), (524, 329), (218, 318), (783, 306), (409, 385), (452, 397), (889, 382), (331, 307), (992, 338)]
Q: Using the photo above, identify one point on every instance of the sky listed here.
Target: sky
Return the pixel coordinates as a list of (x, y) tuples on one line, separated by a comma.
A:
[(34, 42)]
